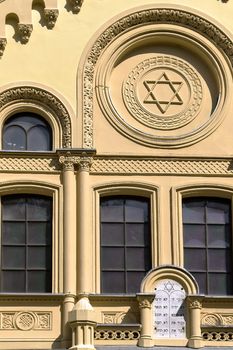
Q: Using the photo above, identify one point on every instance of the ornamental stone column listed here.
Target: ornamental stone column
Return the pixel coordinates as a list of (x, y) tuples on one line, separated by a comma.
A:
[(145, 305), (84, 237), (195, 306), (69, 240)]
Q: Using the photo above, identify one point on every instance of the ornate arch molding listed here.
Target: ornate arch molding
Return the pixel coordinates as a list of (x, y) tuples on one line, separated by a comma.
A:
[(178, 274), (43, 98), (137, 19)]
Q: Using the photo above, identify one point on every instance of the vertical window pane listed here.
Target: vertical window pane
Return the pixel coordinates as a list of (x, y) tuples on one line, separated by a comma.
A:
[(27, 131), (39, 281), (113, 282), (125, 241), (13, 208), (13, 281), (26, 243), (210, 231), (13, 257), (39, 138), (13, 233), (14, 138)]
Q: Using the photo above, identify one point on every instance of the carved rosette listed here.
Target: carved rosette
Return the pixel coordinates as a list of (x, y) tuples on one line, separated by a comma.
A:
[(3, 43), (76, 5), (25, 31), (195, 304), (51, 16)]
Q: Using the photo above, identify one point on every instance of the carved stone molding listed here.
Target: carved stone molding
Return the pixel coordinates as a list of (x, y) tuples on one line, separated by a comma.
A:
[(44, 98), (25, 320), (113, 317), (75, 5), (117, 334), (124, 166), (68, 162), (194, 304), (140, 18), (217, 320), (3, 43), (25, 31), (51, 16), (29, 164)]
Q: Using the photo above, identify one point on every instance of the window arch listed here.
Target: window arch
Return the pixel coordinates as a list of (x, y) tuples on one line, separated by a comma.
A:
[(125, 243), (26, 243), (27, 131), (207, 238)]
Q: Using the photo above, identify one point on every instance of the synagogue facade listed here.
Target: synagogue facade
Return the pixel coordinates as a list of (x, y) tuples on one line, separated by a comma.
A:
[(116, 174)]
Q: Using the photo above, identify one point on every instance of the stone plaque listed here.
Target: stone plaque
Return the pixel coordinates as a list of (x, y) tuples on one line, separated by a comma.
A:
[(168, 310)]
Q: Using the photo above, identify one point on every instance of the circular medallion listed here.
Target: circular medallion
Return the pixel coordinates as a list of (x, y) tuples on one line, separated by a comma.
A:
[(25, 321), (163, 93)]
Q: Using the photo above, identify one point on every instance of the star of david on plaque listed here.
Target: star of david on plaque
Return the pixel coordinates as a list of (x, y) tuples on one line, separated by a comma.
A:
[(172, 89)]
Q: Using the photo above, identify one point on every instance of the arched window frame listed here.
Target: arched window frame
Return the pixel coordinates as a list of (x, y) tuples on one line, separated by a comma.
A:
[(178, 193), (119, 189), (55, 193), (27, 107)]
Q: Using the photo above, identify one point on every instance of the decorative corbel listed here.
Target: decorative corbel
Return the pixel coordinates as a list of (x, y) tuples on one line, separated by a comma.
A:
[(51, 16), (3, 43), (75, 5), (25, 31)]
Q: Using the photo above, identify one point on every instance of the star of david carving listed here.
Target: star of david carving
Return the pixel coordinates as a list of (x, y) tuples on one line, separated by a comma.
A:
[(173, 86)]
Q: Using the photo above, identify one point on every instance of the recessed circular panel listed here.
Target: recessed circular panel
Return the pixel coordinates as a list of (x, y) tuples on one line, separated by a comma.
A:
[(163, 92)]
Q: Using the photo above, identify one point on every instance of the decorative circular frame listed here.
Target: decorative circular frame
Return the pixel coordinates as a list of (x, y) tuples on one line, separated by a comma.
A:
[(150, 119), (130, 21)]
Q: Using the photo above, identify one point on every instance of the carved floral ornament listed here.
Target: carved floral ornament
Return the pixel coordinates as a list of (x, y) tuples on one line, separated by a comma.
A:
[(44, 99), (142, 104)]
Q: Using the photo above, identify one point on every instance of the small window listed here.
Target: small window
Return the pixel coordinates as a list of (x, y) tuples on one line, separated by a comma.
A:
[(125, 243), (27, 132), (208, 243), (26, 250)]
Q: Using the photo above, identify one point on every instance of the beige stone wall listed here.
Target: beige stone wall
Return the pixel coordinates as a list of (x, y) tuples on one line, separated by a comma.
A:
[(46, 72)]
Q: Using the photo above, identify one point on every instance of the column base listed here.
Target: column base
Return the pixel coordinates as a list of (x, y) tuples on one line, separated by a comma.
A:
[(195, 343), (146, 342), (82, 347)]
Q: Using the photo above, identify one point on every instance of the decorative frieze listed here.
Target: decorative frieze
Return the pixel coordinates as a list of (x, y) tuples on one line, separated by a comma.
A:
[(29, 164), (217, 320), (3, 43), (163, 166), (112, 317), (25, 31), (120, 335), (218, 336), (25, 321), (75, 5), (51, 16)]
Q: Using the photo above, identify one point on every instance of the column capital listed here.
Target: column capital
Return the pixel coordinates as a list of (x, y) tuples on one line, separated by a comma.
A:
[(68, 161), (145, 300), (194, 303)]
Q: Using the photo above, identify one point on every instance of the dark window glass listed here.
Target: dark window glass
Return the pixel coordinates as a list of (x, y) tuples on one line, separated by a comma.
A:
[(26, 251), (207, 243), (125, 243), (27, 132)]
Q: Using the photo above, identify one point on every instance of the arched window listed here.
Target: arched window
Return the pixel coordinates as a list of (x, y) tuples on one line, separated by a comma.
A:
[(208, 243), (26, 250), (125, 243), (27, 132)]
